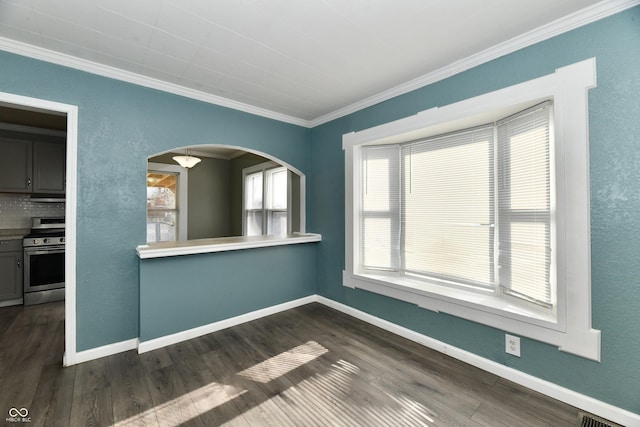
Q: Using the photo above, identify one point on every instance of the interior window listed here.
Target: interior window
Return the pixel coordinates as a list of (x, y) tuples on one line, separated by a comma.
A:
[(266, 189), (162, 206)]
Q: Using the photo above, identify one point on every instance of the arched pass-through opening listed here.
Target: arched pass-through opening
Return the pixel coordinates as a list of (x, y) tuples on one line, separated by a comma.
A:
[(217, 194)]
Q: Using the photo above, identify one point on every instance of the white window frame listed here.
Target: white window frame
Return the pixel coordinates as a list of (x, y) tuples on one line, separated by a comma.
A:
[(264, 167), (570, 329), (183, 198)]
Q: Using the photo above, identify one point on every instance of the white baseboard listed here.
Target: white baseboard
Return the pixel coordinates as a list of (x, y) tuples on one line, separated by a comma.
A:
[(166, 340), (105, 350), (586, 403)]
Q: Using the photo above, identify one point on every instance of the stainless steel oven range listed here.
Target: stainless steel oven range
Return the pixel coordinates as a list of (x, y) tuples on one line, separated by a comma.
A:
[(44, 261)]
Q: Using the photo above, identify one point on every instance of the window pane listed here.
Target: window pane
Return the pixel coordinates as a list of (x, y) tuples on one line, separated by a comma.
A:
[(376, 195), (529, 169), (277, 189), (376, 243), (161, 226), (162, 206), (161, 190), (253, 191), (266, 198), (277, 222), (254, 223), (525, 205), (528, 265), (448, 207), (380, 207)]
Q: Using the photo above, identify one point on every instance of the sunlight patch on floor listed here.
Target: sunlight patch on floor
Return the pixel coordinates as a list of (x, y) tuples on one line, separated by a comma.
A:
[(176, 412), (284, 362), (334, 397)]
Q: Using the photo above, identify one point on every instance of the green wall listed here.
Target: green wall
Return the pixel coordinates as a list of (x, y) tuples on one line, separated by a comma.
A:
[(614, 113)]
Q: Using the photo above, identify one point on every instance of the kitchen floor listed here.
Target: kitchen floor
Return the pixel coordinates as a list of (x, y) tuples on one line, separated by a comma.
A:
[(307, 366)]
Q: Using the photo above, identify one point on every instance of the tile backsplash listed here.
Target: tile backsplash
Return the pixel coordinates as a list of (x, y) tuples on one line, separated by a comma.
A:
[(16, 210)]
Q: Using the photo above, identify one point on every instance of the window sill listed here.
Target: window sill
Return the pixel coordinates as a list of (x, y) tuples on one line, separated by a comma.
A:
[(221, 244), (483, 301), (485, 310)]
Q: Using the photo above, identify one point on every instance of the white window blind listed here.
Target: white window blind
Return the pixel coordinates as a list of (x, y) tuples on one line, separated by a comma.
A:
[(525, 205), (448, 214), (380, 208), (466, 209)]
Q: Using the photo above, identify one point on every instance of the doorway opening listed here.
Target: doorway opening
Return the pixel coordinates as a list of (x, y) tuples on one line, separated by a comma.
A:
[(26, 112)]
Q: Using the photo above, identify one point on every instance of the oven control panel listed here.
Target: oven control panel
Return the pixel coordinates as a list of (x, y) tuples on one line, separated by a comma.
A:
[(44, 241), (47, 241)]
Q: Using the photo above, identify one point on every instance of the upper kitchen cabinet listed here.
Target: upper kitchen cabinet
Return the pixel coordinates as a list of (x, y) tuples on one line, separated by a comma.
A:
[(49, 172), (16, 165), (32, 163)]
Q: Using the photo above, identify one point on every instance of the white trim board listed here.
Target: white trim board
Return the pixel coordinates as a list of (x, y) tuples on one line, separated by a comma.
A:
[(547, 388), (570, 22), (71, 112), (166, 340), (222, 244), (105, 350)]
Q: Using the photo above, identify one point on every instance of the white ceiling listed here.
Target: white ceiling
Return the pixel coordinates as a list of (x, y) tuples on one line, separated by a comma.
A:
[(302, 61)]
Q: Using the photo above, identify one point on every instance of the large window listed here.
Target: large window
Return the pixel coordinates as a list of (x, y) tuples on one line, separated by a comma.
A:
[(266, 194), (480, 209), (470, 209)]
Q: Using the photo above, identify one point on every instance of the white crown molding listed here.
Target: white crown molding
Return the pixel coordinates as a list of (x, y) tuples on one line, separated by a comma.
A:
[(65, 60), (583, 17), (570, 22)]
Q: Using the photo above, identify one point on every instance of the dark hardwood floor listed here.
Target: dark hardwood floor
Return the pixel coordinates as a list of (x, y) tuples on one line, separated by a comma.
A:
[(310, 366)]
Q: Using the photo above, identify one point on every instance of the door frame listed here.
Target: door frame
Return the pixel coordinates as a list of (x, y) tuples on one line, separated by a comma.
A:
[(71, 112)]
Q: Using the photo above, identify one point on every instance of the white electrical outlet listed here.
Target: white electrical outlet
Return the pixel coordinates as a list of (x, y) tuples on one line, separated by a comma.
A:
[(512, 344)]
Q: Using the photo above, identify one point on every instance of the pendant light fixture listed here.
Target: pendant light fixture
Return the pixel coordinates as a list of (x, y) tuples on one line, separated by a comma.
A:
[(187, 161)]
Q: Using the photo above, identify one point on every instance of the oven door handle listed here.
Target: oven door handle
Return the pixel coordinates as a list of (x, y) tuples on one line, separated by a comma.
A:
[(43, 251)]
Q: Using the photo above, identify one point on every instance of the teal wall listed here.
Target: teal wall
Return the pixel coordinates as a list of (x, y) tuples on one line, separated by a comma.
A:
[(120, 124), (184, 292), (614, 113)]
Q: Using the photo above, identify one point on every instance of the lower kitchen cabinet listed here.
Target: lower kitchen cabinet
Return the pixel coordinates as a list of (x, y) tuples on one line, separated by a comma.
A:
[(11, 275)]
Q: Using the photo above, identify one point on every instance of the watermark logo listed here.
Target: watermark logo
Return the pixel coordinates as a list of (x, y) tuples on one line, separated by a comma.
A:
[(18, 415)]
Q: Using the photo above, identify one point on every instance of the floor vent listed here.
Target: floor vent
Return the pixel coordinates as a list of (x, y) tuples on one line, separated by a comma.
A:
[(590, 420)]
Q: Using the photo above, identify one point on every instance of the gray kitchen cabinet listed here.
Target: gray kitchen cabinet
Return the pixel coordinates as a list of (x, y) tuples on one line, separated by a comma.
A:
[(49, 172), (11, 275), (16, 165), (31, 163)]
